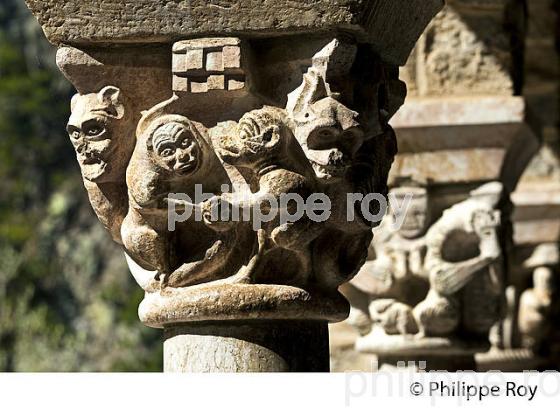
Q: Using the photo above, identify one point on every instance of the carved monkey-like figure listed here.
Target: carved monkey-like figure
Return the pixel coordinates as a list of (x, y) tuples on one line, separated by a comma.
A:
[(472, 224), (169, 158), (265, 147), (101, 130)]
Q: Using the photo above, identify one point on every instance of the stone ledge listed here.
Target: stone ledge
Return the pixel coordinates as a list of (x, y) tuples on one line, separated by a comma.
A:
[(379, 343), (230, 302), (436, 112), (78, 22)]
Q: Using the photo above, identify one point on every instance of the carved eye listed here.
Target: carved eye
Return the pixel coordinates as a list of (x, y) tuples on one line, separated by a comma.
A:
[(94, 131), (167, 152), (267, 136), (93, 128), (186, 143)]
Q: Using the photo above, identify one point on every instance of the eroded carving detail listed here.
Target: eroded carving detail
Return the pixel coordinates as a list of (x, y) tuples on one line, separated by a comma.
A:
[(102, 131), (332, 138), (425, 286), (538, 307)]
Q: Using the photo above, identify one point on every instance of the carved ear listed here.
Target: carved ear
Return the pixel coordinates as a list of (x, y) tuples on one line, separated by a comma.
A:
[(111, 98), (314, 88), (74, 101)]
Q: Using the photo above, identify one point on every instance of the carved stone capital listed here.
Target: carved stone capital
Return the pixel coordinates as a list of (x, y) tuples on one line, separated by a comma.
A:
[(198, 154)]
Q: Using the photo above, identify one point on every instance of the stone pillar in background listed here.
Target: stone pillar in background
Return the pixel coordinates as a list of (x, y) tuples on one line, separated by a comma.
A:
[(249, 102), (536, 216), (463, 132)]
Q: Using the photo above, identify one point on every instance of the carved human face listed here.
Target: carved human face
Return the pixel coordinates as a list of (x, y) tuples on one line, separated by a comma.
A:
[(416, 217), (100, 136), (256, 140), (176, 149)]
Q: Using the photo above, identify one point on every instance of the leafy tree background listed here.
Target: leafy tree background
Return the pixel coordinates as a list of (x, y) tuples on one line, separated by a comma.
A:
[(67, 301)]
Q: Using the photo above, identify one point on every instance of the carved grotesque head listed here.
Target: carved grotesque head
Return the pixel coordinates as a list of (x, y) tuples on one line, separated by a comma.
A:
[(258, 138), (485, 218), (175, 148), (416, 219), (101, 133), (328, 131)]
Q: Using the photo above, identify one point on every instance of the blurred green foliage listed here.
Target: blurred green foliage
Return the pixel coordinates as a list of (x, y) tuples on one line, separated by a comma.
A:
[(67, 301)]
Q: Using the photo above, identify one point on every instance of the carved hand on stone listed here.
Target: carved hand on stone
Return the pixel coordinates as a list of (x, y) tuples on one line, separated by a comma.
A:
[(212, 210), (486, 225)]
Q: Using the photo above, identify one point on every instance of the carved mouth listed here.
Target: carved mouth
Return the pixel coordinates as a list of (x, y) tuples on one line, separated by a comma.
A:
[(253, 147), (91, 160), (186, 168), (329, 170), (329, 163), (94, 171)]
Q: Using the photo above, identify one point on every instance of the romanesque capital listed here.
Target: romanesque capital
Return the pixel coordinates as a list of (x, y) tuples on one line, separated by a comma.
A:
[(198, 125)]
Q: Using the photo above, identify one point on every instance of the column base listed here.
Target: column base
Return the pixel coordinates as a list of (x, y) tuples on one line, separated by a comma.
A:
[(432, 362)]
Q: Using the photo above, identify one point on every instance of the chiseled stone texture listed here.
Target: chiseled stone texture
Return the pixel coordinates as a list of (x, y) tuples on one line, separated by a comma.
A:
[(434, 280), (277, 346), (459, 141), (142, 21), (466, 50), (235, 98)]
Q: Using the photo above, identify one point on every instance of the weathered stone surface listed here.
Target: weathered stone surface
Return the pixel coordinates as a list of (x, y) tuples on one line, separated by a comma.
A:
[(536, 216), (458, 111), (463, 127), (195, 125), (432, 286), (464, 51), (208, 137), (238, 301), (463, 140), (279, 346), (148, 21)]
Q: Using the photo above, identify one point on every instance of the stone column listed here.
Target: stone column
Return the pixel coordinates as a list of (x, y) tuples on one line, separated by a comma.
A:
[(536, 216), (251, 103), (433, 289)]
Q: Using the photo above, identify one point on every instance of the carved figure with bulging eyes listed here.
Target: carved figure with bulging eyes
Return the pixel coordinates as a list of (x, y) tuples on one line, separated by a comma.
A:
[(175, 149), (101, 129), (100, 135)]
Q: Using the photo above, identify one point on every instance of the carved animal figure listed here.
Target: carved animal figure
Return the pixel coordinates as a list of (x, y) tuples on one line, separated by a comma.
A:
[(171, 157), (265, 148), (101, 130), (463, 249)]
